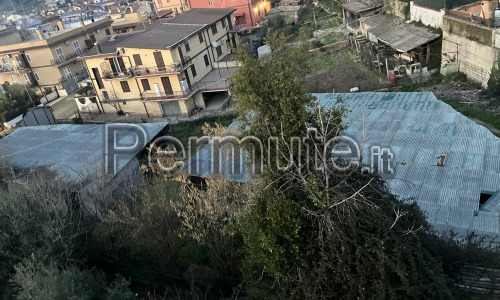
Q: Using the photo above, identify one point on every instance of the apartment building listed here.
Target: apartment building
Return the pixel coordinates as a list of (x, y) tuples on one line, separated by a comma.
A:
[(44, 57), (169, 69), (248, 12), (177, 6)]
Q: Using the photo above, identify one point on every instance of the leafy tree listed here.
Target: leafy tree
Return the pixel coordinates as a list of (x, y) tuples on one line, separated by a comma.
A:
[(16, 101), (321, 234)]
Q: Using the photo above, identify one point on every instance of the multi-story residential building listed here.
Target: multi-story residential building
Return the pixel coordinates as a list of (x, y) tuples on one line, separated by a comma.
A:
[(169, 69), (45, 57), (248, 12), (177, 6)]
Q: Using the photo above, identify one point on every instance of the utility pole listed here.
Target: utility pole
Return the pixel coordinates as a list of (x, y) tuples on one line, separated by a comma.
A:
[(314, 18)]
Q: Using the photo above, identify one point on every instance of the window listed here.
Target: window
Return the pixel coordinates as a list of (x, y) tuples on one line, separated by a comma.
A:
[(200, 37), (105, 95), (125, 87), (145, 84), (107, 32), (78, 50), (219, 50), (36, 76), (214, 28), (137, 59), (230, 23), (28, 58), (207, 62), (193, 71), (60, 55), (13, 78), (67, 72), (27, 79), (98, 78), (186, 44), (223, 23)]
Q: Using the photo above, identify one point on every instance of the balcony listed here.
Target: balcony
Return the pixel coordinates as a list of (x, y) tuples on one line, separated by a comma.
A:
[(10, 69), (79, 76), (161, 96), (109, 75), (65, 60), (166, 70)]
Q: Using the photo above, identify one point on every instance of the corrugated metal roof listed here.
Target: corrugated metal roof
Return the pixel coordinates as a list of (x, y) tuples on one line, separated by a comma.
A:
[(73, 151), (421, 129)]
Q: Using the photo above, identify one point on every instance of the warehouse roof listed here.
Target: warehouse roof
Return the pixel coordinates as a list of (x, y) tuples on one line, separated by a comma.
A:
[(442, 160), (72, 151)]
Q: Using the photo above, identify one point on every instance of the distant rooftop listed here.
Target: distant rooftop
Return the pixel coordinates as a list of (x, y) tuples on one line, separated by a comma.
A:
[(201, 16)]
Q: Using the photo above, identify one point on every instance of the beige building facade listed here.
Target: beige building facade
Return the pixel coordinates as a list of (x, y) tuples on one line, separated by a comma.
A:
[(45, 59), (164, 70)]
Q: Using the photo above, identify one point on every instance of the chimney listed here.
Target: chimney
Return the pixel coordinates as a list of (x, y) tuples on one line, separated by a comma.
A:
[(97, 47)]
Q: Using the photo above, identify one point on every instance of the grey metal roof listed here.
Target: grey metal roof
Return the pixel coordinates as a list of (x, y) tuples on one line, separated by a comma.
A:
[(418, 128), (73, 151), (162, 36), (201, 16), (108, 46), (400, 35)]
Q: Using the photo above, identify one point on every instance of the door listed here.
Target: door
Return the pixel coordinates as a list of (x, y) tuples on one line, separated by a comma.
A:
[(67, 72), (19, 62), (92, 38), (181, 55), (171, 109), (60, 55), (157, 90), (165, 81), (27, 79), (78, 50), (6, 64), (159, 60)]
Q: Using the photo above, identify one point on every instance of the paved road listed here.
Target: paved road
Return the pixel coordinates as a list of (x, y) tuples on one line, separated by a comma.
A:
[(64, 108)]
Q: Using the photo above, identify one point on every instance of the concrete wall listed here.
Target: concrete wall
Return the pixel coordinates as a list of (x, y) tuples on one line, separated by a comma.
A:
[(396, 7), (470, 49), (427, 16)]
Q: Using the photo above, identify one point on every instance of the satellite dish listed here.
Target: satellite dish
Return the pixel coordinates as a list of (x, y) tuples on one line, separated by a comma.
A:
[(18, 27), (214, 44)]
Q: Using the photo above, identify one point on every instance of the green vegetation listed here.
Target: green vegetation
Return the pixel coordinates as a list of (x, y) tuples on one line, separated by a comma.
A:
[(438, 79), (16, 101), (184, 130), (479, 114), (323, 62)]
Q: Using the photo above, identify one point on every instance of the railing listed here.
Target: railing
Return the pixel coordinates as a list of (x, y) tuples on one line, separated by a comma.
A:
[(66, 59), (472, 18), (212, 85), (111, 75), (165, 96), (79, 76), (12, 69), (169, 69)]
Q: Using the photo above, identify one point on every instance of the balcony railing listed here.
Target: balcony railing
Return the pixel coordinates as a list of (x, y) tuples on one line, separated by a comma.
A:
[(170, 69), (66, 59), (111, 75), (12, 69), (79, 76), (165, 96)]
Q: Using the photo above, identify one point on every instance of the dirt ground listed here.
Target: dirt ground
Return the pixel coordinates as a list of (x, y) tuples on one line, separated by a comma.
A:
[(465, 92), (346, 72)]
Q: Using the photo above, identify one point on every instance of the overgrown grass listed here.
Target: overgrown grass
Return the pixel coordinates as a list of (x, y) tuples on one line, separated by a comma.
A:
[(479, 114), (434, 81), (184, 130), (323, 62)]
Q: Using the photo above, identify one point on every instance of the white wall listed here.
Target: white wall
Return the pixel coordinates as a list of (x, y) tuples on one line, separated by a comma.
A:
[(426, 15)]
